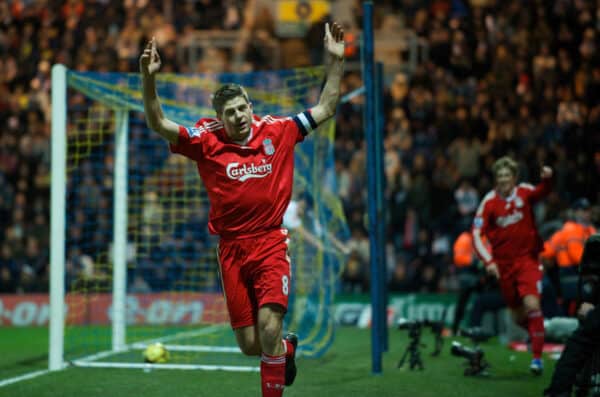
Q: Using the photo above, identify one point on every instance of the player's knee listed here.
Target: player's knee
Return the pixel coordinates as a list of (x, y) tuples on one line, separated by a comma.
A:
[(248, 341), (531, 303), (250, 345), (271, 330)]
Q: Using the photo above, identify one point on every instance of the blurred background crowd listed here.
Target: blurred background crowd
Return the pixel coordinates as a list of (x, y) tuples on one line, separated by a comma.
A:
[(467, 81)]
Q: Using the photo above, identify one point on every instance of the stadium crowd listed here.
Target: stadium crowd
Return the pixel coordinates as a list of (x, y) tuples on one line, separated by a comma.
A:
[(500, 78)]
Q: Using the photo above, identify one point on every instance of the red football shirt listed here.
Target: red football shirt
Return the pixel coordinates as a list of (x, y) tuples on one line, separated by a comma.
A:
[(249, 186), (509, 224)]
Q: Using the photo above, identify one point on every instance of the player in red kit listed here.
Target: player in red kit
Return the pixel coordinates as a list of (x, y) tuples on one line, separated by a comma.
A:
[(247, 165), (505, 217)]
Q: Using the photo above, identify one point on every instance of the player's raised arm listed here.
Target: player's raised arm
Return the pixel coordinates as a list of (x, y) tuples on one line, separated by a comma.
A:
[(149, 66), (334, 49), (544, 187)]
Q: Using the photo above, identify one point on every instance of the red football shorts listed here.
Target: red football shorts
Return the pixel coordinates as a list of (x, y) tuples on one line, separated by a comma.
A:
[(519, 278), (254, 271)]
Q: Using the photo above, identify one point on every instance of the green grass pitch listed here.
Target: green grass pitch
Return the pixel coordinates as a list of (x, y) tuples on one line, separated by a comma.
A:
[(344, 371)]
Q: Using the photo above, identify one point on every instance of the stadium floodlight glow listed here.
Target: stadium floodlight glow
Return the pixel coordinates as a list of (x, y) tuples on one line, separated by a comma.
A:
[(132, 262)]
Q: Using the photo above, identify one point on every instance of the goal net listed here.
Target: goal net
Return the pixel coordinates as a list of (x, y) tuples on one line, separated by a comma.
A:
[(132, 260)]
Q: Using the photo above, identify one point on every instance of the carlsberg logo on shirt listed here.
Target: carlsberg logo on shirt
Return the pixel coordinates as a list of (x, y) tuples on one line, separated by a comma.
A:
[(504, 221), (247, 171)]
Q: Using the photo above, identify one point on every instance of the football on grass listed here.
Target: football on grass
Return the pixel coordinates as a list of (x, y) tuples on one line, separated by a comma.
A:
[(156, 353)]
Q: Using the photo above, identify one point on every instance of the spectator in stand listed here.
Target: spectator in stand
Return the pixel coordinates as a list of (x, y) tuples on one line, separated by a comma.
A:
[(8, 269), (467, 200)]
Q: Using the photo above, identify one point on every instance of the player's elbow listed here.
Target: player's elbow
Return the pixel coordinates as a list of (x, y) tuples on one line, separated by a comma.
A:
[(164, 131), (169, 135), (153, 122), (153, 126)]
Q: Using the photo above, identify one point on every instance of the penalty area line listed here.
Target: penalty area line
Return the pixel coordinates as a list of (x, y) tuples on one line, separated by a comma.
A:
[(202, 331)]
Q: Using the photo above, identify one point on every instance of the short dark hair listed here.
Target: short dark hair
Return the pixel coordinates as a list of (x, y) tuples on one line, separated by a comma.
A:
[(581, 204), (225, 93), (506, 162)]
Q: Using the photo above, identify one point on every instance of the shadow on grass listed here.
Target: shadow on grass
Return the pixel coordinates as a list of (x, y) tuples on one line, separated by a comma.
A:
[(32, 361)]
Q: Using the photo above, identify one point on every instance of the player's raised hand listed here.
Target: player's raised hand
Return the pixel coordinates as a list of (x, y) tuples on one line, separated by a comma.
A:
[(334, 40), (546, 172), (150, 60)]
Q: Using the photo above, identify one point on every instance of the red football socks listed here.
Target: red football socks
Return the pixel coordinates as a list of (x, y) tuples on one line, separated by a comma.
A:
[(535, 326), (272, 375)]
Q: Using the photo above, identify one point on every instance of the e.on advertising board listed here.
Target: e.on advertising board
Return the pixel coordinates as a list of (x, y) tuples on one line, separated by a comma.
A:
[(155, 309)]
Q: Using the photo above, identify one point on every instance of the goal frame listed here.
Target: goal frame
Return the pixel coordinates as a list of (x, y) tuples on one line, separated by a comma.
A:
[(58, 210), (57, 223)]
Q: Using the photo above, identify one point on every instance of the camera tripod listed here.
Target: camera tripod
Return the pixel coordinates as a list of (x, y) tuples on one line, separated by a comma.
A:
[(436, 328), (412, 351)]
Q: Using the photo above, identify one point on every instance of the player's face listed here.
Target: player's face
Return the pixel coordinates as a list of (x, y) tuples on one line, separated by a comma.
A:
[(583, 215), (237, 118), (505, 181)]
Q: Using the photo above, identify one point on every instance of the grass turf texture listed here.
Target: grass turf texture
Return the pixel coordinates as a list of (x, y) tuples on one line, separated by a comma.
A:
[(344, 371)]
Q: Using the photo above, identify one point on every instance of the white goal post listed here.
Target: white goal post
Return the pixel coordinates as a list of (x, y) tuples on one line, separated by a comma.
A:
[(57, 223), (57, 217)]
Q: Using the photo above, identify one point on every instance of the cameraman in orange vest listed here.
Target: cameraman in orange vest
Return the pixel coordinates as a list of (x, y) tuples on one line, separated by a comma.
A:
[(565, 248)]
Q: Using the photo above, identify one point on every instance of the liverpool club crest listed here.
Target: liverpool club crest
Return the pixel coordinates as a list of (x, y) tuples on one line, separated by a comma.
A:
[(519, 202), (268, 146)]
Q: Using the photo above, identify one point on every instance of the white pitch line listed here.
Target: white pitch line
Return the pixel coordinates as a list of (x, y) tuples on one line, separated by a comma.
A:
[(192, 348), (233, 368), (85, 363), (198, 332), (106, 353), (19, 378), (103, 354)]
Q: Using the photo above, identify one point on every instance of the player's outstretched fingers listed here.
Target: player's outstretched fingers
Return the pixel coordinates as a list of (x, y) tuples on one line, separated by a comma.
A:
[(328, 36), (153, 44)]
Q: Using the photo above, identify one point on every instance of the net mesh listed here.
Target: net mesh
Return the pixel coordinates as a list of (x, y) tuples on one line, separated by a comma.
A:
[(173, 289)]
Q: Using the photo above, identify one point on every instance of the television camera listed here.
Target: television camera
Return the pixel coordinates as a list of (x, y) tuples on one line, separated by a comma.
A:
[(476, 364)]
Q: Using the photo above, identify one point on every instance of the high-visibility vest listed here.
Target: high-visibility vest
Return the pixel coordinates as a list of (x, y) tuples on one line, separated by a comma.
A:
[(566, 245), (577, 235), (463, 250)]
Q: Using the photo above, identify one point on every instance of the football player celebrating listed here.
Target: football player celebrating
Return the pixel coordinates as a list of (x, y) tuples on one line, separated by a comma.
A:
[(247, 163), (505, 217)]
